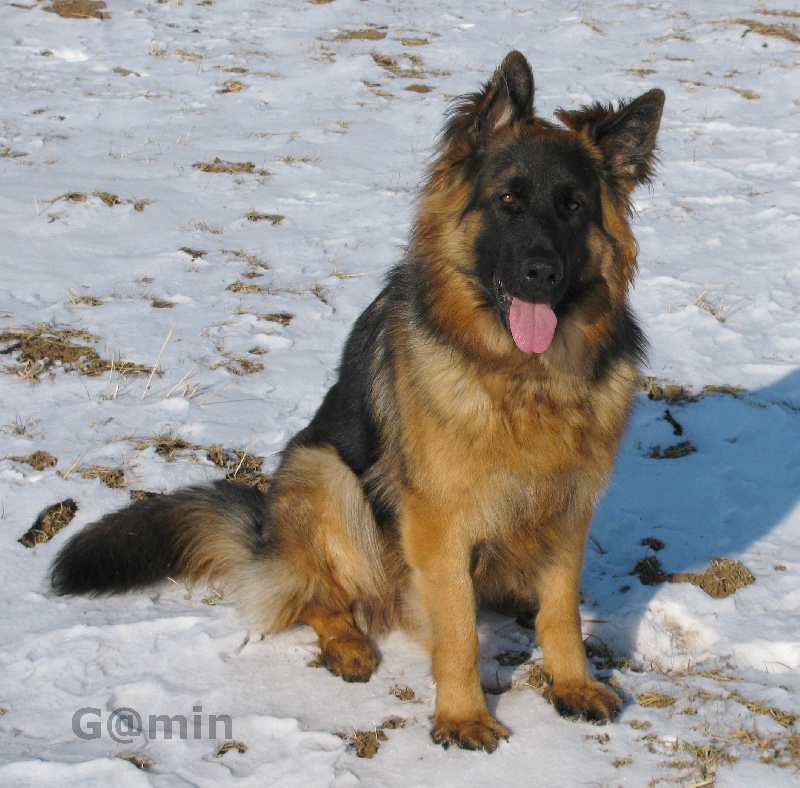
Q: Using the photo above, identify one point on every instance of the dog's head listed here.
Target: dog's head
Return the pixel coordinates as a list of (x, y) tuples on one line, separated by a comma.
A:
[(535, 213)]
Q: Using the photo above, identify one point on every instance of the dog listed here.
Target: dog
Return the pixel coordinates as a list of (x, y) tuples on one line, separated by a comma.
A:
[(480, 404)]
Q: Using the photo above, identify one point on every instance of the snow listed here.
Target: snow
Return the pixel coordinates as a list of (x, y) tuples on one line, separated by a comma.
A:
[(126, 106)]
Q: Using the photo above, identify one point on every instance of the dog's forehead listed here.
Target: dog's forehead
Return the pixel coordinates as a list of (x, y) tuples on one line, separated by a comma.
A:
[(559, 157)]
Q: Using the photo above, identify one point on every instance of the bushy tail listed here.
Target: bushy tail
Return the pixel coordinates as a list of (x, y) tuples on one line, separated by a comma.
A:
[(198, 533)]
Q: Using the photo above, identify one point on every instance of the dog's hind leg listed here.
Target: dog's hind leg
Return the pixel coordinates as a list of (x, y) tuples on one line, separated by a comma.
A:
[(345, 651), (325, 536)]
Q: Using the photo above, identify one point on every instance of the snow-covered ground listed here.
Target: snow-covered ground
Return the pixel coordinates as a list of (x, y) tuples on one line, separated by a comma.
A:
[(112, 237)]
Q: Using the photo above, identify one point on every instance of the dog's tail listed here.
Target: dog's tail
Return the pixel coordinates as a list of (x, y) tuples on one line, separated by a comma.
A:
[(207, 532)]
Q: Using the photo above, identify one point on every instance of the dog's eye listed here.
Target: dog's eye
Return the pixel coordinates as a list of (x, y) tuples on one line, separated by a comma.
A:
[(507, 198), (573, 205)]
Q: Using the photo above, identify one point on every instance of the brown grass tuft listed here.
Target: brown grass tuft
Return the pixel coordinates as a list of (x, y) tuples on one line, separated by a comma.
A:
[(79, 9), (656, 700), (227, 167), (723, 577), (49, 522), (39, 460), (111, 477), (786, 31), (256, 216)]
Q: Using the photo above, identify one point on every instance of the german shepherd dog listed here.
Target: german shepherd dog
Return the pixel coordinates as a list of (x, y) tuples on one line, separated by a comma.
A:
[(480, 403)]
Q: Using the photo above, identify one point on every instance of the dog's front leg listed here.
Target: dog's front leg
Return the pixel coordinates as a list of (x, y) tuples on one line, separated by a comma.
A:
[(439, 557), (573, 692)]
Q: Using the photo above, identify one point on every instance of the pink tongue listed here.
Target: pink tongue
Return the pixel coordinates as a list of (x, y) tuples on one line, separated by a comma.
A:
[(532, 325)]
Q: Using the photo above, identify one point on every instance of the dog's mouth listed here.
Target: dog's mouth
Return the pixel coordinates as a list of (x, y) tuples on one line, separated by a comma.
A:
[(532, 323)]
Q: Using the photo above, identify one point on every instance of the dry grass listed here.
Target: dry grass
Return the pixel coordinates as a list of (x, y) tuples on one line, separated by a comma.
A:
[(111, 477), (370, 34), (245, 287), (677, 394), (405, 694), (722, 578), (240, 747), (786, 30), (49, 522), (257, 216), (228, 167), (42, 349), (105, 197), (139, 761), (40, 460), (658, 700), (240, 464), (682, 449), (79, 9), (282, 318), (367, 743)]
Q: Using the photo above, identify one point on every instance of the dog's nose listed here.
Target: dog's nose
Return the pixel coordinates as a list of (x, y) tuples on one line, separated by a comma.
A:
[(543, 274)]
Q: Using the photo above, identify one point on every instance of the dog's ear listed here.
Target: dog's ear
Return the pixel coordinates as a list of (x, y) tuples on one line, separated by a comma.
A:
[(506, 98), (626, 135)]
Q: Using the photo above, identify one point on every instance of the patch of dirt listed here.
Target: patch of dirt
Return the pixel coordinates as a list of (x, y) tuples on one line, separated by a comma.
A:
[(674, 452), (79, 9), (652, 543), (42, 348), (111, 477), (650, 572), (417, 88), (49, 522), (160, 303), (723, 577), (510, 658), (39, 460), (677, 429)]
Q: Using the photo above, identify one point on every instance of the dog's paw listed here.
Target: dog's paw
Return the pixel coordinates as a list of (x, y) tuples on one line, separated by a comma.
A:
[(349, 657), (484, 734), (590, 702)]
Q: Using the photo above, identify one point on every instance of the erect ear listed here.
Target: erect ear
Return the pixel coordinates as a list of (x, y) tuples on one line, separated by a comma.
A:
[(626, 136), (506, 98)]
